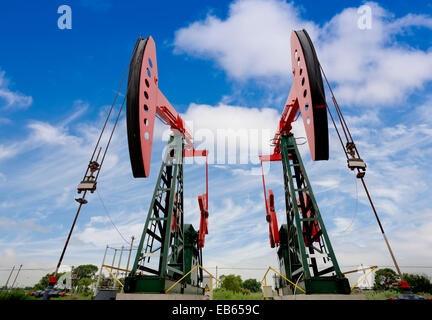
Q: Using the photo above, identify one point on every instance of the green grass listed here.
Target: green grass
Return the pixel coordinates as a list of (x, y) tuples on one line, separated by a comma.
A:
[(14, 295), (222, 294), (218, 294), (385, 295), (25, 295)]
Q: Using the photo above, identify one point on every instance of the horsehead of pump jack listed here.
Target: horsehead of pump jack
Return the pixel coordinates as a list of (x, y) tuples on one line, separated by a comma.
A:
[(145, 102)]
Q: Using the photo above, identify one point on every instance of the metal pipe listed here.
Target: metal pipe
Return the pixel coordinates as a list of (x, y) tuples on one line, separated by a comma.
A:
[(112, 264), (113, 276), (100, 271), (211, 287), (118, 266), (364, 277), (287, 279), (69, 235), (167, 290)]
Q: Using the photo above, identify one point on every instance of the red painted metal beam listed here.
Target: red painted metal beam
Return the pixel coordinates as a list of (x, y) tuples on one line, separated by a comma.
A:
[(145, 102), (307, 97), (169, 115), (203, 230), (272, 221), (202, 198)]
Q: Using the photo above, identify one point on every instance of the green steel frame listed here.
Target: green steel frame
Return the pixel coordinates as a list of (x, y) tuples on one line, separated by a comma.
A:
[(164, 236), (304, 237)]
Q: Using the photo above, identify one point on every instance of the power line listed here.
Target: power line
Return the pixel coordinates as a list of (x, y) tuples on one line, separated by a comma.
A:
[(352, 266), (30, 269), (420, 267), (237, 268)]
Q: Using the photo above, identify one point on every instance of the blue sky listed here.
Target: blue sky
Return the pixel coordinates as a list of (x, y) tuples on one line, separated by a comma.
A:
[(223, 65)]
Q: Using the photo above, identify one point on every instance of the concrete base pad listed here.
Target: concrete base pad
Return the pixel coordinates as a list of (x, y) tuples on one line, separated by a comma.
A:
[(322, 297), (159, 296)]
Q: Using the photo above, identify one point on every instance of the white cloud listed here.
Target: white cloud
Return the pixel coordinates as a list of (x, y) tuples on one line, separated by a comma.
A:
[(328, 182), (237, 230), (254, 41), (98, 219), (371, 67), (411, 20), (42, 134), (45, 133), (12, 100), (244, 132), (8, 151), (80, 107), (8, 256), (368, 67), (396, 155), (422, 114), (225, 116), (22, 226), (5, 121)]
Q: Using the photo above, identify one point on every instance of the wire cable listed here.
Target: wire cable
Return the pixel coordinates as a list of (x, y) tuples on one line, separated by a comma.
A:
[(355, 211), (351, 142), (82, 200), (110, 138), (107, 118), (109, 217)]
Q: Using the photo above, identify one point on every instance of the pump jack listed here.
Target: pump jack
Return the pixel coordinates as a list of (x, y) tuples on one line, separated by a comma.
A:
[(305, 236), (181, 246), (305, 253), (177, 246)]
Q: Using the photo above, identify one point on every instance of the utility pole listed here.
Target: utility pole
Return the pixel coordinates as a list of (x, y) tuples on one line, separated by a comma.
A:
[(16, 276), (130, 251), (112, 265), (10, 274)]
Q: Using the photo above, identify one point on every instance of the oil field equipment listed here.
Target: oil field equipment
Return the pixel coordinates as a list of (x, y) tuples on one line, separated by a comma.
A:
[(178, 246), (304, 250), (170, 251), (305, 253), (168, 248)]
